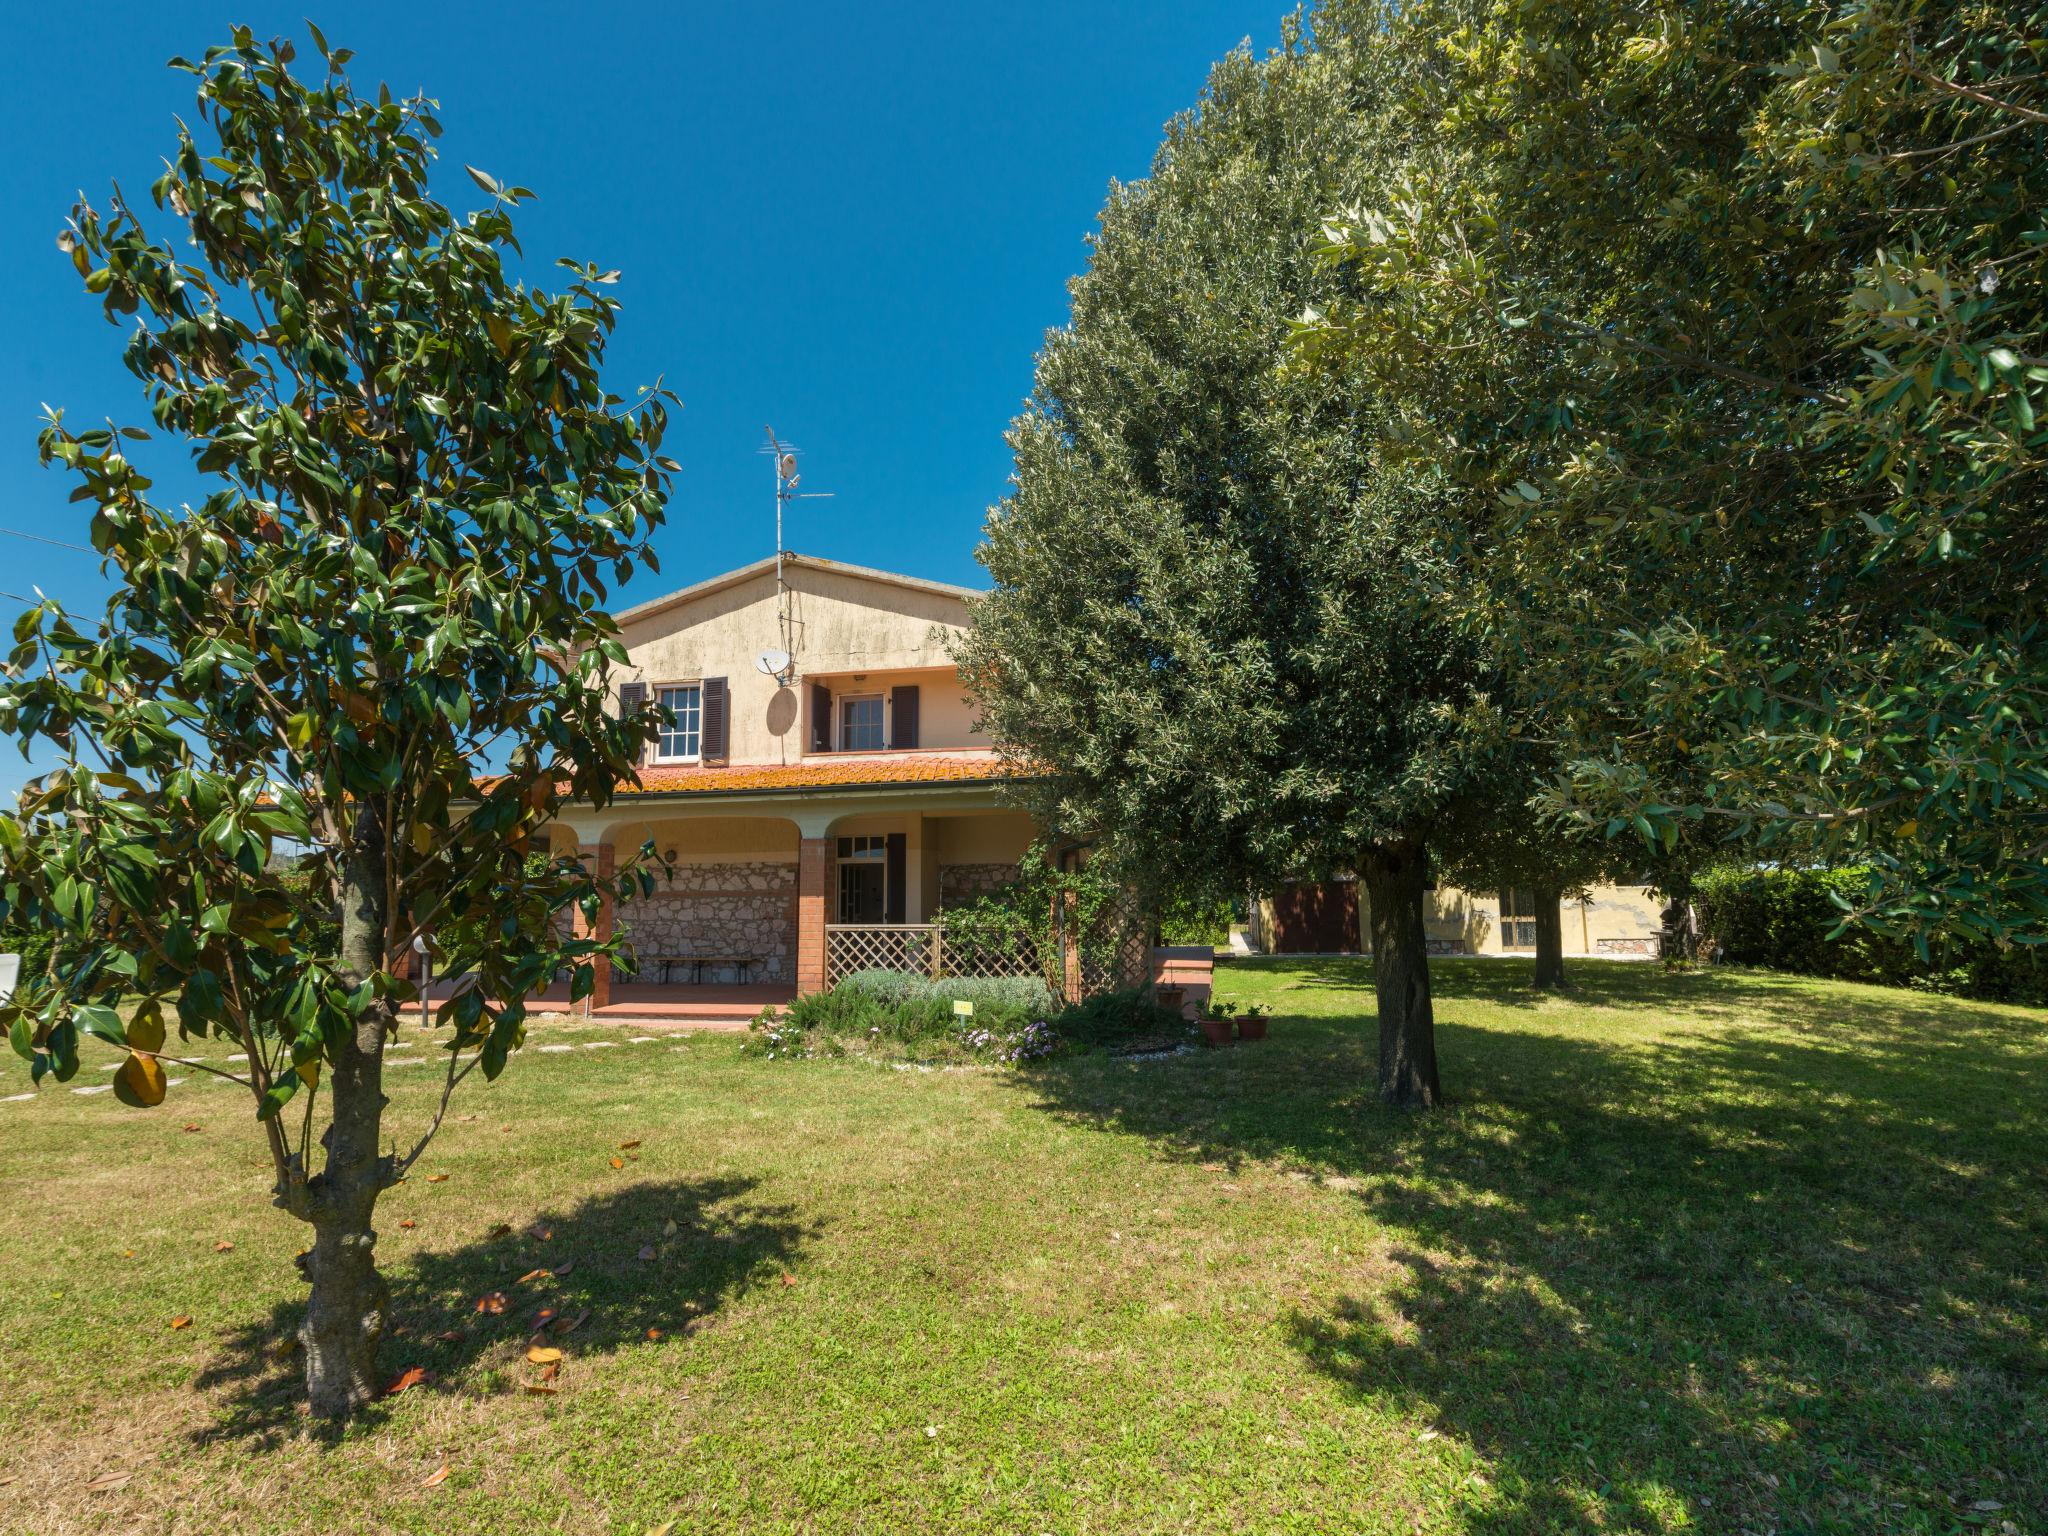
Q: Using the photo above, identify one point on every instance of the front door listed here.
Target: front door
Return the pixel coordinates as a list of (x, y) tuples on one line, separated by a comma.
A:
[(863, 891)]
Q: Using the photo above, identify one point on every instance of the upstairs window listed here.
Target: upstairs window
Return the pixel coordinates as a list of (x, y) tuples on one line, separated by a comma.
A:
[(682, 740), (860, 724)]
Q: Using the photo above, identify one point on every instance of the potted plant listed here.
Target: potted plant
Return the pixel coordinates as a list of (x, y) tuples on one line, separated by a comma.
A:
[(1216, 1023), (1251, 1024)]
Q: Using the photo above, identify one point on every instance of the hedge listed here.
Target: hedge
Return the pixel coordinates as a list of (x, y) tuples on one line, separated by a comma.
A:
[(1781, 918)]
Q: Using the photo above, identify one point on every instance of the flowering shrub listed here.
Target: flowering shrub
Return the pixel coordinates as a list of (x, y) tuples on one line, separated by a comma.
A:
[(1034, 1042), (777, 1036)]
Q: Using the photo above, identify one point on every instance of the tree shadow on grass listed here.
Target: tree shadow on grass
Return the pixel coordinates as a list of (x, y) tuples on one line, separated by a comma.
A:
[(1787, 1277), (1711, 994), (723, 1242)]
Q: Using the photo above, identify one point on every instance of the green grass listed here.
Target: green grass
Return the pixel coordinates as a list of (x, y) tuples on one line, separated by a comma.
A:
[(1723, 1252)]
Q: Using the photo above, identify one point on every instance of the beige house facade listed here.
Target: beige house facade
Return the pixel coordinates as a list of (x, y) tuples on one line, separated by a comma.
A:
[(823, 793)]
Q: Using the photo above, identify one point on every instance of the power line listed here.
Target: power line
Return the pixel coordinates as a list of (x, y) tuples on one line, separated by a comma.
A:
[(45, 539)]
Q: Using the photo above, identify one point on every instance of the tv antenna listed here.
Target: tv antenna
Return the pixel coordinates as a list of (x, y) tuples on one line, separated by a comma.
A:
[(781, 663)]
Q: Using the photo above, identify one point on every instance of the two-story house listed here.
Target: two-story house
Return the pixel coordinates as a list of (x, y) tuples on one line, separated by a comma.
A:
[(822, 776)]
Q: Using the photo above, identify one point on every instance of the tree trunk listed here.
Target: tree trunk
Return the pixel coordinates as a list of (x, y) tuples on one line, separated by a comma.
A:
[(345, 1313), (1549, 937), (1393, 875)]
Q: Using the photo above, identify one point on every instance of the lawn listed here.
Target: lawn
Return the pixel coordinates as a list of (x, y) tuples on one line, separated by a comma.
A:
[(1720, 1252)]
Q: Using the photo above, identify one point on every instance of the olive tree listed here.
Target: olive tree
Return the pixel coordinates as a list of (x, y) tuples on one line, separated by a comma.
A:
[(1224, 633), (378, 641)]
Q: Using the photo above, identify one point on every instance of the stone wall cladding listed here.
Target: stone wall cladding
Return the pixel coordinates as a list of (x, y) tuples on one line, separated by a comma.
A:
[(726, 910), (1627, 946), (960, 883)]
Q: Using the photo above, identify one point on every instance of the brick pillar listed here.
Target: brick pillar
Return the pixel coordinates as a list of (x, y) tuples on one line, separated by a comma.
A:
[(813, 863), (597, 858)]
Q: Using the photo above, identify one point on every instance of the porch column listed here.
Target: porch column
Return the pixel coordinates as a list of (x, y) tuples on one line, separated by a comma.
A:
[(813, 863), (1067, 918), (597, 858)]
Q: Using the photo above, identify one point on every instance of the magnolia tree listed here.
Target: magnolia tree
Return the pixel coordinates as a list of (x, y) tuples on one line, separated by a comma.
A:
[(1737, 315), (379, 641)]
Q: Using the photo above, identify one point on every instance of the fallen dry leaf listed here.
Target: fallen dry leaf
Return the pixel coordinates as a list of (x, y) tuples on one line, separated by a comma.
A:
[(618, 1162), (668, 1228), (541, 1389), (562, 1268), (492, 1302), (627, 1146), (562, 1325), (551, 1370), (646, 1252), (539, 1233), (408, 1224), (181, 1321), (107, 1481), (129, 1254), (502, 1229), (451, 1335), (532, 1275), (193, 1126), (437, 1178), (544, 1316), (666, 1528), (223, 1247), (789, 1279), (541, 1354), (411, 1376), (653, 1334), (435, 1478)]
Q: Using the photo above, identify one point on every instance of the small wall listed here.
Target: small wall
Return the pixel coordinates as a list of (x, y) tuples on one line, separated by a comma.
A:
[(730, 908)]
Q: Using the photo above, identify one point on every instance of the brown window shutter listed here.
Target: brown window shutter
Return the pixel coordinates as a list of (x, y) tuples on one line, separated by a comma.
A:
[(903, 717), (896, 860), (716, 720), (821, 718), (633, 699)]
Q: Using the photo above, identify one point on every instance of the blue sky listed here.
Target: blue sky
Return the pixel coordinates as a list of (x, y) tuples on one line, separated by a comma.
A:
[(852, 221)]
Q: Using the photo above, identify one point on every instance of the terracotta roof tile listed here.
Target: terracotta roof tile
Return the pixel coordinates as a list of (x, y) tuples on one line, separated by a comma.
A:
[(863, 771)]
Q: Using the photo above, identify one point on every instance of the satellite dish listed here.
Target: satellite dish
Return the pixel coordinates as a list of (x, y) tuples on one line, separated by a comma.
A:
[(786, 466), (774, 663)]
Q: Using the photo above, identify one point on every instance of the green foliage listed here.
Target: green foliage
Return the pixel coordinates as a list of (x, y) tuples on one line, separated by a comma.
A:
[(1218, 623), (1197, 918), (1791, 920), (884, 1013), (1110, 1019), (1737, 316), (420, 493), (1006, 997)]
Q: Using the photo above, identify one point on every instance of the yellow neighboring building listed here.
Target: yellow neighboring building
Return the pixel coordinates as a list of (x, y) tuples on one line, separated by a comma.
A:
[(1619, 922)]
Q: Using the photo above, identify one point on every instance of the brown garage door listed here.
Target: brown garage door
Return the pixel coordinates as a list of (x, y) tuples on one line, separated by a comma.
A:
[(1316, 919)]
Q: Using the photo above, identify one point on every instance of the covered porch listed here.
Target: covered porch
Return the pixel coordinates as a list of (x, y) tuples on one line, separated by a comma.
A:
[(757, 895)]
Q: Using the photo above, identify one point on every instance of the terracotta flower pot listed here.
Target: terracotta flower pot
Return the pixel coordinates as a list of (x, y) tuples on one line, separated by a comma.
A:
[(1251, 1029), (1216, 1031)]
